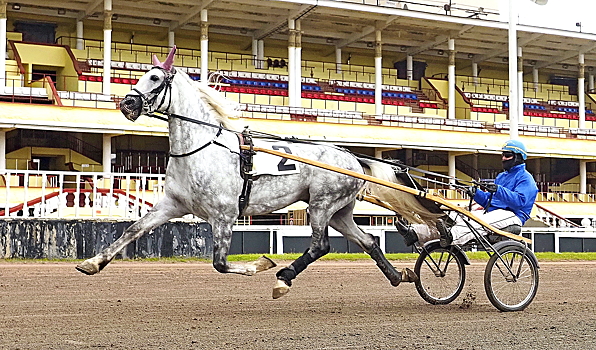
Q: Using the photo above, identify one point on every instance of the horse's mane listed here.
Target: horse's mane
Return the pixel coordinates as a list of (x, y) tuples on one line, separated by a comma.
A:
[(224, 108)]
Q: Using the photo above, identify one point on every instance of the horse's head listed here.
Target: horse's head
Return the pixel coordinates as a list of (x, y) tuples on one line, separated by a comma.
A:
[(145, 96)]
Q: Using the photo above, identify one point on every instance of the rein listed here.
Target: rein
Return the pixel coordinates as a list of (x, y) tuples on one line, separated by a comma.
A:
[(200, 122), (247, 155), (403, 167)]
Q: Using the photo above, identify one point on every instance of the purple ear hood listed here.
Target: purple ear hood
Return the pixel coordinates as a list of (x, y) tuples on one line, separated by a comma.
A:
[(168, 63)]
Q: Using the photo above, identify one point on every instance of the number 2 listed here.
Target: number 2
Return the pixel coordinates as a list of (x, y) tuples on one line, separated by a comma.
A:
[(282, 166)]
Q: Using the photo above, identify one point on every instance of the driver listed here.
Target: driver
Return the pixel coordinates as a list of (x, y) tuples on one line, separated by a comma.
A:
[(504, 204)]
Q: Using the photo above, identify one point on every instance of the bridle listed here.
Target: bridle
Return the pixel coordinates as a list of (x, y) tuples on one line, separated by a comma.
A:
[(165, 86), (148, 99)]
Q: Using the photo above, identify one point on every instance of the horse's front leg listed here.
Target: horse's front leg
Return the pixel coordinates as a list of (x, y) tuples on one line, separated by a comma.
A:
[(152, 219), (222, 238)]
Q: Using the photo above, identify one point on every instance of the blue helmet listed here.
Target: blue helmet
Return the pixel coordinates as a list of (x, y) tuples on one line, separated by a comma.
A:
[(516, 146)]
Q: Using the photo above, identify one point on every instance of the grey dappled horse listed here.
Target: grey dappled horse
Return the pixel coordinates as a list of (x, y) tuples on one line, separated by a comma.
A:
[(204, 180)]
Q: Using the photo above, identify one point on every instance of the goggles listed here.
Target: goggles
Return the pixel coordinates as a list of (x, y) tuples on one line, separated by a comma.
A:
[(508, 154)]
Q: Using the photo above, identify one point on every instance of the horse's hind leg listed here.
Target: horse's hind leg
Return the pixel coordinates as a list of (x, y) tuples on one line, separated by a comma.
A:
[(343, 222), (148, 222), (319, 246)]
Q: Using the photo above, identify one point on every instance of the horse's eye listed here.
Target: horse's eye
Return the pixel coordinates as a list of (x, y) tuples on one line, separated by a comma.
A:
[(154, 78)]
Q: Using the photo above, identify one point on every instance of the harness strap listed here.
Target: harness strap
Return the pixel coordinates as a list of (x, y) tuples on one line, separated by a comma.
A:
[(246, 163), (246, 156), (200, 148)]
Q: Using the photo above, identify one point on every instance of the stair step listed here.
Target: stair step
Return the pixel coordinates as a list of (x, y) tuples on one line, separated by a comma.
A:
[(372, 120)]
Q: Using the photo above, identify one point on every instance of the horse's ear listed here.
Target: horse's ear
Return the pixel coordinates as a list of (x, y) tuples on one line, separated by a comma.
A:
[(156, 62), (168, 63)]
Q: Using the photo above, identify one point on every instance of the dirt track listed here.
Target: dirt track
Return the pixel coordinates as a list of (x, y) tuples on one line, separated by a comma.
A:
[(132, 305)]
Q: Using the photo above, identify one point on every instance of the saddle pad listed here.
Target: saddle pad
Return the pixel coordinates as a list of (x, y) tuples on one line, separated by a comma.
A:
[(269, 164)]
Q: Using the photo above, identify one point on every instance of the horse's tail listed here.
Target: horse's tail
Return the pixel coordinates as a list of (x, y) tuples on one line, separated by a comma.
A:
[(410, 207)]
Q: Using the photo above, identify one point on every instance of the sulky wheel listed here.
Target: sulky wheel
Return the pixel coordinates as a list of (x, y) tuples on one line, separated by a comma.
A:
[(511, 280), (441, 273)]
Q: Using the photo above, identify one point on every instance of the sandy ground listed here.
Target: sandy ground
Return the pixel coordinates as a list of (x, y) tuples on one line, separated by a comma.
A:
[(332, 305)]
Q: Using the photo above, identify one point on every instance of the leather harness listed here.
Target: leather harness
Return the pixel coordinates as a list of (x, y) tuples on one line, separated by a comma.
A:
[(246, 163), (244, 138)]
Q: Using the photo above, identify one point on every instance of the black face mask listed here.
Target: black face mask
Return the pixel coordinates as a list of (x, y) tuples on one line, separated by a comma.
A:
[(510, 163)]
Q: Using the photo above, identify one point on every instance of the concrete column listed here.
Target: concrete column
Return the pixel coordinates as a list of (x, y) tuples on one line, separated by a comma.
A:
[(451, 164), (409, 155), (475, 73), (583, 177), (536, 172), (204, 47), (378, 73), (171, 38), (513, 93), (255, 52), (338, 60), (520, 84), (2, 150), (379, 152), (80, 35), (591, 81), (410, 67), (298, 66), (451, 77), (292, 63), (260, 53), (581, 91), (2, 44), (475, 161), (107, 46), (535, 78), (106, 162)]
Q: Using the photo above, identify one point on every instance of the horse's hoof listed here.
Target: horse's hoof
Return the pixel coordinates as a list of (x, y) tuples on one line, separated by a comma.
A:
[(264, 263), (408, 275), (280, 289), (88, 268)]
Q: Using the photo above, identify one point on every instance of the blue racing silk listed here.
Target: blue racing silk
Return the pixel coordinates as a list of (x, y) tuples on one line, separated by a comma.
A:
[(516, 192)]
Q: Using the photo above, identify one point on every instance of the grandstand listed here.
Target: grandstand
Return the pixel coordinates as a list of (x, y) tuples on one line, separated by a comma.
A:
[(372, 76)]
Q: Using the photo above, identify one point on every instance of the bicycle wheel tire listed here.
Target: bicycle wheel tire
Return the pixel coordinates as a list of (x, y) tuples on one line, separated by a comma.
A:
[(509, 292), (441, 275)]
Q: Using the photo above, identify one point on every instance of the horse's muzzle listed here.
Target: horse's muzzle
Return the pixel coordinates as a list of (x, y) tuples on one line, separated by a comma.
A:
[(131, 107)]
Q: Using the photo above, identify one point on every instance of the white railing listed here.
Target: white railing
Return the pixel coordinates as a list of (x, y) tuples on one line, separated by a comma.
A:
[(92, 195), (58, 194), (579, 234)]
